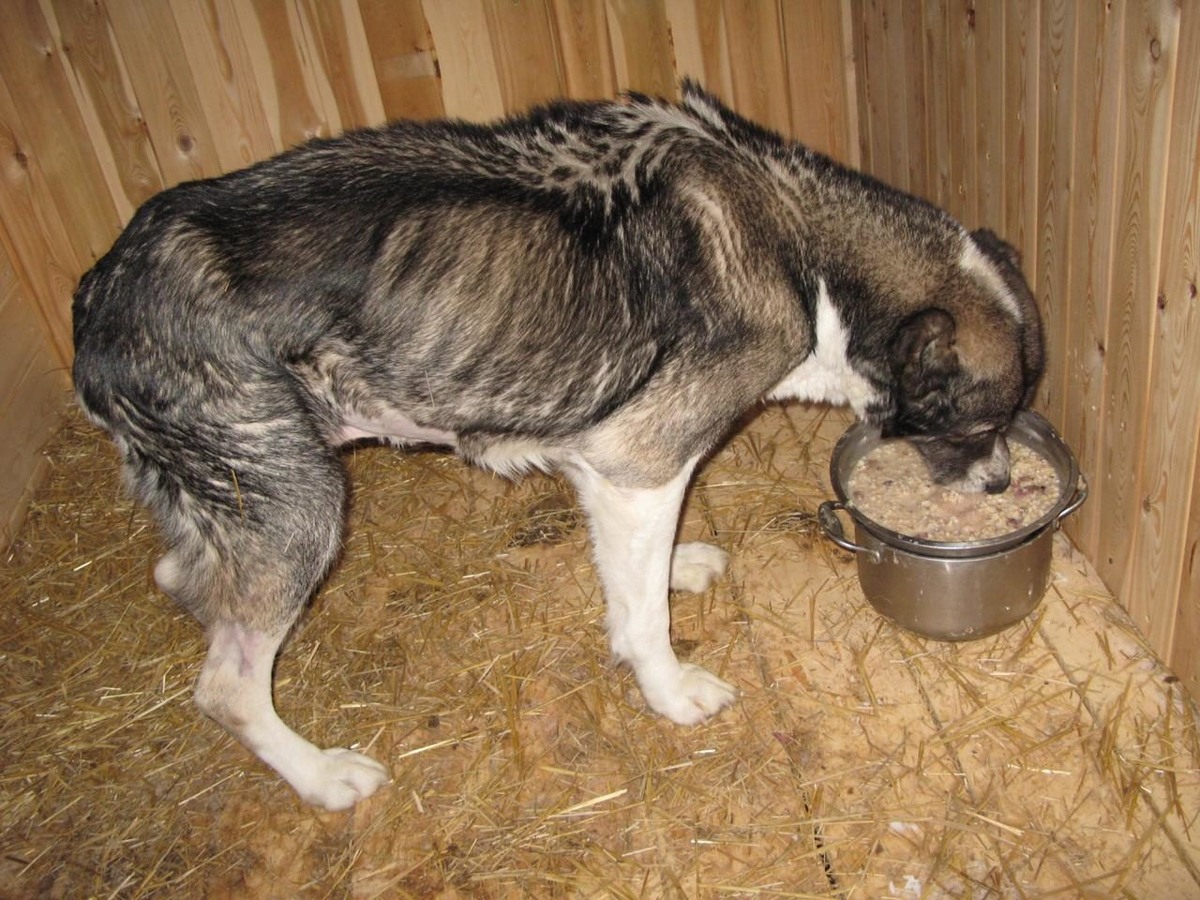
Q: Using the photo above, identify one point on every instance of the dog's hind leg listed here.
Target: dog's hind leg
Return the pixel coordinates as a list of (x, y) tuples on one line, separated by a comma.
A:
[(253, 526), (235, 689), (633, 531)]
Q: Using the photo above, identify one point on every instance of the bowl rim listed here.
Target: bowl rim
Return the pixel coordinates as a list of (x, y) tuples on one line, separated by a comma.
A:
[(1028, 428)]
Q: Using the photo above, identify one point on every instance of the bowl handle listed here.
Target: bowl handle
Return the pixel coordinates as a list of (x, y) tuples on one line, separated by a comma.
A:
[(1081, 493), (832, 526)]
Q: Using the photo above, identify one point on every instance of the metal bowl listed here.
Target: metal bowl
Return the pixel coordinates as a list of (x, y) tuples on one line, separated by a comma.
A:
[(954, 591)]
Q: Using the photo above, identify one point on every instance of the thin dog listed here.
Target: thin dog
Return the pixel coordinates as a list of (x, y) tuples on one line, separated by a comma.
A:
[(599, 288)]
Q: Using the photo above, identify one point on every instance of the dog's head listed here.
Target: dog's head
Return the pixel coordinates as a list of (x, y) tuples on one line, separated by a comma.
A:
[(964, 365)]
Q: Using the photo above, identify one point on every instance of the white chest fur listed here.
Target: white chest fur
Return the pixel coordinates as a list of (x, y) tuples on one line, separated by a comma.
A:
[(826, 375)]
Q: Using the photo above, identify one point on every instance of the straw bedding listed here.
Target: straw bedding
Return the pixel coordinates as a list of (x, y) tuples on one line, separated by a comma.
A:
[(460, 641)]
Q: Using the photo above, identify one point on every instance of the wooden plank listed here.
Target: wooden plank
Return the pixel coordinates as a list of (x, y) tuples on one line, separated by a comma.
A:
[(32, 67), (894, 91), (33, 391), (34, 236), (1175, 376), (1021, 49), (401, 48), (293, 91), (641, 45), (870, 45), (1089, 252), (987, 22), (219, 63), (701, 45), (757, 65), (528, 59), (816, 71), (1156, 561), (586, 54), (960, 42), (154, 58), (470, 87), (1055, 146), (337, 37), (854, 123), (939, 134), (910, 32), (1149, 49), (106, 103)]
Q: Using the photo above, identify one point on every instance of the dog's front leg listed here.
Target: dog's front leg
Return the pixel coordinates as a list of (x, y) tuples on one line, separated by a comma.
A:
[(633, 533)]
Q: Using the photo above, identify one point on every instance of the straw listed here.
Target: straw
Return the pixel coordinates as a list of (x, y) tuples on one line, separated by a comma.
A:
[(461, 641)]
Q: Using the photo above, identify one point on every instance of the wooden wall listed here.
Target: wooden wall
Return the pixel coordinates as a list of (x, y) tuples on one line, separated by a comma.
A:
[(1073, 129), (1070, 128), (105, 102)]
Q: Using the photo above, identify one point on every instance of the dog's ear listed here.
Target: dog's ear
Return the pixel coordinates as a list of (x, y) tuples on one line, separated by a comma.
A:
[(923, 354), (996, 247)]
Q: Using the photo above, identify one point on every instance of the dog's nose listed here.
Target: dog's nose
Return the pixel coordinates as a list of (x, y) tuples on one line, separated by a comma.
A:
[(998, 485)]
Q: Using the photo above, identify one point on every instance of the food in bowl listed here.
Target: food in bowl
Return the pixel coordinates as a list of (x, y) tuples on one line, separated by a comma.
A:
[(892, 487)]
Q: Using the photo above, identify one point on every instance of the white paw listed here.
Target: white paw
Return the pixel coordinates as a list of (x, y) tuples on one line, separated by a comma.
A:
[(694, 695), (695, 566), (344, 778)]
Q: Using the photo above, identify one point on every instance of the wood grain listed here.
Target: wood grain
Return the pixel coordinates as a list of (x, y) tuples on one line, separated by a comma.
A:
[(33, 392), (219, 64), (1089, 252), (1056, 141), (466, 60), (403, 59), (1154, 571), (1149, 47), (819, 96), (115, 126), (641, 46), (528, 57)]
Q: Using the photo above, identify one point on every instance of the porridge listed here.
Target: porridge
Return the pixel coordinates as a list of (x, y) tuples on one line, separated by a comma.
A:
[(891, 486)]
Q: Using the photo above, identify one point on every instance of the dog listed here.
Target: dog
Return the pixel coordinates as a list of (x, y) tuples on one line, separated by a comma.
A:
[(597, 288)]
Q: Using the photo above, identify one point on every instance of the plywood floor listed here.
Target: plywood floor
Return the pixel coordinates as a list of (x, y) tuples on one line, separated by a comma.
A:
[(460, 641)]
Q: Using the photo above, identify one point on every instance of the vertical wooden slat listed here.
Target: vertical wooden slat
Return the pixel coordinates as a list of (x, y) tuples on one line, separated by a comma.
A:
[(470, 86), (848, 50), (1174, 383), (1021, 51), (757, 65), (1168, 410), (987, 21), (870, 49), (1149, 44), (910, 31), (292, 91), (641, 45), (939, 133), (403, 59), (894, 58), (701, 46), (40, 94), (820, 99), (337, 38), (525, 44), (1090, 250), (1055, 143), (33, 390), (582, 30), (105, 100), (219, 65), (962, 200), (184, 143)]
